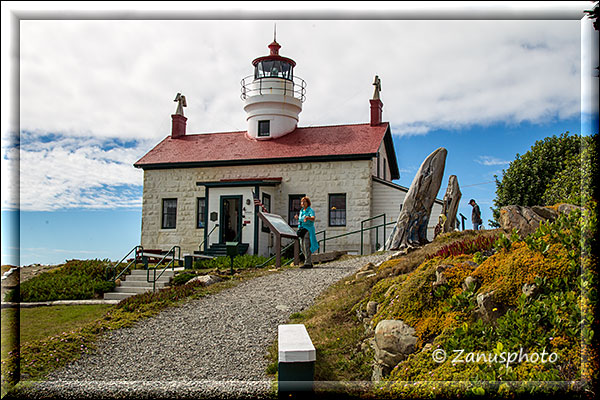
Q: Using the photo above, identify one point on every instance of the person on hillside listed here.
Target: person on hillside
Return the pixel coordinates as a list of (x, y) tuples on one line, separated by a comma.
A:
[(475, 215), (306, 231)]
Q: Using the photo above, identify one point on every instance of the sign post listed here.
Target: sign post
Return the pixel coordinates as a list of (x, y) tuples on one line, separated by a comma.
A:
[(281, 229)]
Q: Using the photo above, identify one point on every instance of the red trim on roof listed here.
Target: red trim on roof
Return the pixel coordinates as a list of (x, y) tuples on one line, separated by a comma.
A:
[(317, 141)]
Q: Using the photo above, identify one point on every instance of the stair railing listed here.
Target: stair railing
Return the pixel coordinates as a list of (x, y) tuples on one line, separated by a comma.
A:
[(362, 230), (203, 244), (275, 255), (139, 250), (174, 249)]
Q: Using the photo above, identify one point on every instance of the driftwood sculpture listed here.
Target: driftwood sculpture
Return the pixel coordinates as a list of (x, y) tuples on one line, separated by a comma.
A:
[(411, 226), (450, 207)]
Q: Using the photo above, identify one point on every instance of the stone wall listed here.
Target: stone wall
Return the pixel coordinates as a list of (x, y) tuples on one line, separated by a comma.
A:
[(316, 180)]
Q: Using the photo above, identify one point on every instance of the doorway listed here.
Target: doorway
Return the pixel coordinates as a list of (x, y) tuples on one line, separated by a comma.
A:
[(230, 224)]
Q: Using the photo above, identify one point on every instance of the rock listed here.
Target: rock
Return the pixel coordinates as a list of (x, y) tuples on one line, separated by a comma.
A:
[(450, 206), (390, 290), (368, 267), (544, 212), (440, 279), (372, 308), (530, 290), (527, 219), (471, 282), (327, 257), (365, 274), (206, 280), (472, 264), (567, 208), (411, 225), (488, 309), (523, 219), (394, 341), (118, 282), (427, 347)]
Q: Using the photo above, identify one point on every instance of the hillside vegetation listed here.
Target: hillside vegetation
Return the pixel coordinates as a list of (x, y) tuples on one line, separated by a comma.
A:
[(542, 289)]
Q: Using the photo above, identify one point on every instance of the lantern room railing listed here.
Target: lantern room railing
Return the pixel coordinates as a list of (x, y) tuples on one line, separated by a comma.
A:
[(295, 87)]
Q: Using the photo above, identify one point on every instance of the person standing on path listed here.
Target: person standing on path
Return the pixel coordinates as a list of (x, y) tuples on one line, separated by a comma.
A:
[(475, 215), (306, 229)]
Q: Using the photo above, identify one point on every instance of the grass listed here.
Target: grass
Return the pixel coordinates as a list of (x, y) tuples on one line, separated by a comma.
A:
[(50, 348), (42, 322)]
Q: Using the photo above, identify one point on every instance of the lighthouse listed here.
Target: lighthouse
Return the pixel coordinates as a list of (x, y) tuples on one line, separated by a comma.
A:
[(272, 96)]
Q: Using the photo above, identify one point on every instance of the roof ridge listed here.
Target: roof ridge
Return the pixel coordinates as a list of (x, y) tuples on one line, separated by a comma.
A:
[(299, 127)]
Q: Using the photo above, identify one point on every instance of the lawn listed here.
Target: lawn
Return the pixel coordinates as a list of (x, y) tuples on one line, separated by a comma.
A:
[(43, 322)]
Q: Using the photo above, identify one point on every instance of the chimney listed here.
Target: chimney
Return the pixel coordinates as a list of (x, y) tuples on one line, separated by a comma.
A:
[(376, 104), (178, 127)]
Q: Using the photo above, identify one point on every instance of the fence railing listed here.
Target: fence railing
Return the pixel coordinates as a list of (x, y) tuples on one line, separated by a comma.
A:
[(295, 87)]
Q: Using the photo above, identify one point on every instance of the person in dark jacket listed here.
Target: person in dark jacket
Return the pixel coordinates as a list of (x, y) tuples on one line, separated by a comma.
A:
[(475, 215)]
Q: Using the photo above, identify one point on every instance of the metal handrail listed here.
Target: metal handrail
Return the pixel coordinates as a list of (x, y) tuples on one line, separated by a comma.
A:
[(298, 90), (325, 238), (376, 232), (171, 263), (275, 255), (138, 251), (203, 244)]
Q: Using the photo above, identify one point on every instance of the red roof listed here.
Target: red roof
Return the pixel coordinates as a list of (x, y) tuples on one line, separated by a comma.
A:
[(318, 142)]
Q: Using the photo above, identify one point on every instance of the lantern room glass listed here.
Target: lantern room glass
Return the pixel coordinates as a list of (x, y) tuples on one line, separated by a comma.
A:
[(273, 69)]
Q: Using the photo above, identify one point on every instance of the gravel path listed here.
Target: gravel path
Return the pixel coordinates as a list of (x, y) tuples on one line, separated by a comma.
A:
[(206, 348)]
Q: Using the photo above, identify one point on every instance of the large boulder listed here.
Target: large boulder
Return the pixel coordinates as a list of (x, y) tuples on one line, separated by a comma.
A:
[(394, 341), (527, 219), (451, 202), (206, 280), (411, 225)]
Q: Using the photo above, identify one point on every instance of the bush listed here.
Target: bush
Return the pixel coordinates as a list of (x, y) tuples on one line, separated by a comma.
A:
[(75, 280), (245, 261)]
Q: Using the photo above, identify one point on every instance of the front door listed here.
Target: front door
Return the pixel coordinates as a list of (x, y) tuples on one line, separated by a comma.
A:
[(230, 224)]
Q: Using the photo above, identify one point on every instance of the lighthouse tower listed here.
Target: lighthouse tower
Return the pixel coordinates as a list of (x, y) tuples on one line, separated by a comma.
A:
[(273, 96)]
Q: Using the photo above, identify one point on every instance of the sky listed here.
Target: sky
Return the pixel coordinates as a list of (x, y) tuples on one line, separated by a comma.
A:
[(93, 92)]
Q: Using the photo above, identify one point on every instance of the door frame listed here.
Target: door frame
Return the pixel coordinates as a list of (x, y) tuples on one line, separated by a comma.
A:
[(222, 198)]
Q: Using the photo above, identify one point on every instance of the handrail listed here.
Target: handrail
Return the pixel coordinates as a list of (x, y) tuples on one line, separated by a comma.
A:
[(171, 263), (138, 251), (203, 244), (376, 232), (275, 255), (351, 233), (249, 88)]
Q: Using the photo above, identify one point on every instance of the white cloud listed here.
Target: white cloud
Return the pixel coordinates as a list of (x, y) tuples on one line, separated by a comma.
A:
[(77, 173), (491, 161), (91, 81)]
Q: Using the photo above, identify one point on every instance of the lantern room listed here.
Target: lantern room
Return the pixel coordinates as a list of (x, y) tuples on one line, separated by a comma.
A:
[(273, 96)]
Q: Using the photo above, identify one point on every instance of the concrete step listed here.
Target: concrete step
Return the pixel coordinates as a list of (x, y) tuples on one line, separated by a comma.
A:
[(136, 290), (144, 278), (137, 272), (117, 295), (143, 283)]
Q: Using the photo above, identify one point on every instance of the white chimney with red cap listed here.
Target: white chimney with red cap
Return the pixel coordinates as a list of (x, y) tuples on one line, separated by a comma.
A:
[(273, 96)]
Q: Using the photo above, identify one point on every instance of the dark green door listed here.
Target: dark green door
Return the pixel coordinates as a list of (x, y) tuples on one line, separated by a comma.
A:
[(230, 224)]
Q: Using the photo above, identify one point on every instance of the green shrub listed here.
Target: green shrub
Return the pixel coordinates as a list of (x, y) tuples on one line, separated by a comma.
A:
[(75, 280), (245, 261), (181, 279)]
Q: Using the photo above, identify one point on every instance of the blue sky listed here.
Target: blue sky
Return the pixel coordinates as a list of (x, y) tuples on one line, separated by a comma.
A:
[(96, 95)]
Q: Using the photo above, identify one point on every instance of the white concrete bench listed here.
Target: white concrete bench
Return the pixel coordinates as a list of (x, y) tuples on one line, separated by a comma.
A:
[(297, 357)]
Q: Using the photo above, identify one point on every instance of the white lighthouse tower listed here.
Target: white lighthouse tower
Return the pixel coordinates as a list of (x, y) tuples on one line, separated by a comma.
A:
[(273, 96)]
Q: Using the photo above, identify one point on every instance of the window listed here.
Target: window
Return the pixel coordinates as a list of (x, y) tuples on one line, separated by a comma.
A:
[(337, 209), (294, 208), (266, 200), (201, 209), (264, 128), (169, 213)]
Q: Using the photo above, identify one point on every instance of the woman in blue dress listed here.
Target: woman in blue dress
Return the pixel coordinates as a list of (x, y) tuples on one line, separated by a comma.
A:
[(306, 220)]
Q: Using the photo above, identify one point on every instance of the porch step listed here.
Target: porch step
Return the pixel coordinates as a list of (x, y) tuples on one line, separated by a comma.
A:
[(220, 249), (137, 283)]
